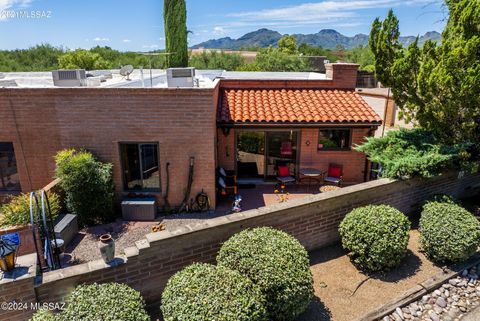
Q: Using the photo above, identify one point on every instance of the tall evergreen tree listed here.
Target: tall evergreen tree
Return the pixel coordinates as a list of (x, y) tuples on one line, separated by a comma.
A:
[(437, 85), (175, 17)]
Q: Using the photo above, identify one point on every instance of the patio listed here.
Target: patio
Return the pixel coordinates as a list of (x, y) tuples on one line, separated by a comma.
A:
[(83, 247)]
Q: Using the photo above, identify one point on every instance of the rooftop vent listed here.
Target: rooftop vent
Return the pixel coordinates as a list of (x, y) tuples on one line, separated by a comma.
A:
[(181, 77), (69, 78)]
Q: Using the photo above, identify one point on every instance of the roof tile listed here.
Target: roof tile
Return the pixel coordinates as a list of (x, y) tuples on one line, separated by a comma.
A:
[(293, 105)]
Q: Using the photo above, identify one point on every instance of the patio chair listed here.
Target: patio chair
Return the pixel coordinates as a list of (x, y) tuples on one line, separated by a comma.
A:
[(334, 174), (284, 176)]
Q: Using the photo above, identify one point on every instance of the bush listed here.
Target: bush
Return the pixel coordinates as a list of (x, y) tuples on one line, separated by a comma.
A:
[(277, 263), (448, 232), (43, 315), (444, 198), (203, 292), (106, 302), (17, 211), (88, 185), (406, 153), (376, 236)]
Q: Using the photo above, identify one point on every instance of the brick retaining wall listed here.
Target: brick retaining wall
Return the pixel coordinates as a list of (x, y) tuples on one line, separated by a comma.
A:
[(313, 221)]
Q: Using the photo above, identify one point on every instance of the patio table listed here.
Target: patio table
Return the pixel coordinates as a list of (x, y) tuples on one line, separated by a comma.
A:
[(311, 174)]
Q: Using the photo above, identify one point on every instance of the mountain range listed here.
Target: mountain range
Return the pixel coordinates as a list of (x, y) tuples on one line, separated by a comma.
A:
[(326, 38)]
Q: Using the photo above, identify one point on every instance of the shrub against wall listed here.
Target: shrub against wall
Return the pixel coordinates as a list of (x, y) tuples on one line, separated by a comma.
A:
[(106, 302), (44, 315), (376, 236), (203, 292), (17, 211), (448, 232), (88, 185), (277, 263)]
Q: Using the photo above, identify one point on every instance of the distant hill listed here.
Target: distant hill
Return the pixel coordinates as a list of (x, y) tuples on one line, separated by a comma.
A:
[(326, 38)]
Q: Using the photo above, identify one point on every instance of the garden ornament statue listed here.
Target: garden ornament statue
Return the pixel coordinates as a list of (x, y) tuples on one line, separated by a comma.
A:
[(236, 207)]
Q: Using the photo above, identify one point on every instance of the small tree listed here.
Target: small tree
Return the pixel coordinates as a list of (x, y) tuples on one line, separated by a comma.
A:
[(88, 185), (438, 86), (287, 44), (82, 59), (175, 17)]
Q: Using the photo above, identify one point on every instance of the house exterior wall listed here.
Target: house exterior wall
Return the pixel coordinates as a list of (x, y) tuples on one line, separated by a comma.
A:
[(42, 121), (353, 162), (226, 149)]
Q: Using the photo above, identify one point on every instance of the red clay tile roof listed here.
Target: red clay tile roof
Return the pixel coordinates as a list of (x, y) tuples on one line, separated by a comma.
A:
[(293, 105)]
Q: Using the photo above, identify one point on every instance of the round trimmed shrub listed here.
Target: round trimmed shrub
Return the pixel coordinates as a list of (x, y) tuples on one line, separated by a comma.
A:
[(204, 292), (277, 263), (43, 315), (106, 302), (448, 232), (376, 236)]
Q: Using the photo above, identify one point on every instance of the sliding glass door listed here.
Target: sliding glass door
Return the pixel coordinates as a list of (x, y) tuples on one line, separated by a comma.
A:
[(281, 151), (259, 153)]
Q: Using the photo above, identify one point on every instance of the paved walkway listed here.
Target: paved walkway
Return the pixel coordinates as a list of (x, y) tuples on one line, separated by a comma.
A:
[(473, 315)]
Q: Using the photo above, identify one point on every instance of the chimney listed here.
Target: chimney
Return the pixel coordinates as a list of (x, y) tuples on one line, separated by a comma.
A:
[(344, 75)]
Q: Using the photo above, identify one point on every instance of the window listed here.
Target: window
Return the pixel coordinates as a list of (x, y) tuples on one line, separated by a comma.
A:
[(9, 180), (334, 139), (140, 166)]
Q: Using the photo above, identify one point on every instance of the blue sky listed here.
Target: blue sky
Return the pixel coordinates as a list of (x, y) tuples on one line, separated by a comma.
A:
[(138, 24)]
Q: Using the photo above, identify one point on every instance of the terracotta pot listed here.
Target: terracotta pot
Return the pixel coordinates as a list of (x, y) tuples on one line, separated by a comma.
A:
[(106, 245)]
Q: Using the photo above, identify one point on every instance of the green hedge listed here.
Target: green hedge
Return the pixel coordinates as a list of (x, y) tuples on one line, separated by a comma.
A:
[(17, 211), (448, 232), (44, 315), (104, 302), (203, 292), (277, 263), (376, 236), (88, 185)]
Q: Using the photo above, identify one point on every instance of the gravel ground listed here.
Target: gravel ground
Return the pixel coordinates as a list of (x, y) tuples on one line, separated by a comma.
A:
[(84, 247), (451, 302)]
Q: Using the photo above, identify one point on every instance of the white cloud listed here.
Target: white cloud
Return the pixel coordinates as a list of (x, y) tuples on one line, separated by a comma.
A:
[(318, 12), (219, 31), (150, 46), (126, 40), (12, 5), (100, 39)]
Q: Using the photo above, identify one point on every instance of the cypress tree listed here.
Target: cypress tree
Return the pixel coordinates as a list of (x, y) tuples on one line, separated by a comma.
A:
[(175, 17)]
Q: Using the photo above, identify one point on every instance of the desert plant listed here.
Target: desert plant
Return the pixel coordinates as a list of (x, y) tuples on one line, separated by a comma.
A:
[(277, 263), (106, 302), (204, 292), (17, 211), (88, 185), (376, 236), (448, 232)]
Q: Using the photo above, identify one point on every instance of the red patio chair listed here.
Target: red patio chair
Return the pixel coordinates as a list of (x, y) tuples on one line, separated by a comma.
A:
[(284, 176), (334, 174)]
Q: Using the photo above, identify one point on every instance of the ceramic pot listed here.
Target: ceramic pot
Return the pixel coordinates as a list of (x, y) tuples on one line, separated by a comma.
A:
[(106, 245)]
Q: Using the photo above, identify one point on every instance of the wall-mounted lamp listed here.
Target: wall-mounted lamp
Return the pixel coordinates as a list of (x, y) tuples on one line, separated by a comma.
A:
[(307, 143)]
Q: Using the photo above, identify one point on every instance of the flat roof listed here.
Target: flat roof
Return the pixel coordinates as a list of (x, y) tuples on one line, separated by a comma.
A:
[(146, 78)]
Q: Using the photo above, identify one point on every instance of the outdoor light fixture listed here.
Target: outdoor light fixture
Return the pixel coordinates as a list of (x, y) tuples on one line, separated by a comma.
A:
[(8, 253), (307, 143)]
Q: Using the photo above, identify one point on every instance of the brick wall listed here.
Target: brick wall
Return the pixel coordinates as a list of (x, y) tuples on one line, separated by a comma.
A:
[(352, 161), (313, 221), (42, 121)]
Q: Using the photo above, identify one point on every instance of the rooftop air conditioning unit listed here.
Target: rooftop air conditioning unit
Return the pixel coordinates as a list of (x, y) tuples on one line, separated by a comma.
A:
[(69, 78), (181, 77)]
